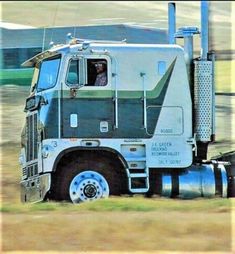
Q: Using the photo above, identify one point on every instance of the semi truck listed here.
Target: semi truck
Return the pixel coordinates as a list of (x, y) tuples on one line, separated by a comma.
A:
[(146, 130)]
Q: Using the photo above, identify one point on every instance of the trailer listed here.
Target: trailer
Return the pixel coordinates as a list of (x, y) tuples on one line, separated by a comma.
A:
[(144, 129)]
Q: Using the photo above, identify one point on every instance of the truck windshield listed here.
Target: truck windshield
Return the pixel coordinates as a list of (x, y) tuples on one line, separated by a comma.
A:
[(45, 74)]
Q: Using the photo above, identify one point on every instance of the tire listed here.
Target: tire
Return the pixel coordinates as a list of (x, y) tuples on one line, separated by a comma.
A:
[(71, 172)]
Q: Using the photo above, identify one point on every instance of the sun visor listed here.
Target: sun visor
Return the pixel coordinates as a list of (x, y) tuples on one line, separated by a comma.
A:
[(39, 57)]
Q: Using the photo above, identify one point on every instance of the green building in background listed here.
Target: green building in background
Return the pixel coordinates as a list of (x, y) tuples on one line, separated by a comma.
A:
[(20, 44)]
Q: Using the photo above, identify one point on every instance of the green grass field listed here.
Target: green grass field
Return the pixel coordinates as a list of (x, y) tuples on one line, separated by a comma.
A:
[(137, 203)]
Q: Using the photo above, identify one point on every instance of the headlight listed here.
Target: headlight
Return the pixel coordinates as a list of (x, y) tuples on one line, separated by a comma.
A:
[(21, 159)]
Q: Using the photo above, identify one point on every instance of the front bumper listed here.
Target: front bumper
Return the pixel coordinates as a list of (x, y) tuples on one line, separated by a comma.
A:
[(35, 189)]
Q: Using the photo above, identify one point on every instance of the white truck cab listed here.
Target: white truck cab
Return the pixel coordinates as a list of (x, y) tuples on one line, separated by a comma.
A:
[(142, 129)]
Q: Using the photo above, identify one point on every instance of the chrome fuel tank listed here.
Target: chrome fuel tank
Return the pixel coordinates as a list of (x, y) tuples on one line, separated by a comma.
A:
[(206, 180)]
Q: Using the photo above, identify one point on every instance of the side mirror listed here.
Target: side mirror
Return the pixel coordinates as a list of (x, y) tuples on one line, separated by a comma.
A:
[(73, 81), (34, 102)]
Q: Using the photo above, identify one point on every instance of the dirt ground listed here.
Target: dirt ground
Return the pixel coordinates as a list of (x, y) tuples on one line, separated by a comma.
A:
[(118, 231)]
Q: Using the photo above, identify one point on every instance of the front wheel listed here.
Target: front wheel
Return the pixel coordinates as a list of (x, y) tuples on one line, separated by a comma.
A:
[(87, 178), (88, 186)]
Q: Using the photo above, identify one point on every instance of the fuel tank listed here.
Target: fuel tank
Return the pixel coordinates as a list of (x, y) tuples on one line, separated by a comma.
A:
[(205, 180)]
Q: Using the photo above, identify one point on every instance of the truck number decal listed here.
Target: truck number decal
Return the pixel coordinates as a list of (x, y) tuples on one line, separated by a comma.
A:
[(166, 131)]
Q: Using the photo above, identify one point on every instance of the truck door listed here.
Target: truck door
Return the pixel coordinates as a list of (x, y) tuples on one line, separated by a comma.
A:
[(87, 107)]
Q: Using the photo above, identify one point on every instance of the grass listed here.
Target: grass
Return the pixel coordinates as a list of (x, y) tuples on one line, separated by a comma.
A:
[(77, 228), (124, 204)]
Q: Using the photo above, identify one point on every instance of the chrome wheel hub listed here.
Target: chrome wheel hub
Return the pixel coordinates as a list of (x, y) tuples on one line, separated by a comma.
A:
[(88, 186)]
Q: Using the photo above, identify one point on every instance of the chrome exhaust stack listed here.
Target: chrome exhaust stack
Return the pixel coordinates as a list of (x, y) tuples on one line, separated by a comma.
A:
[(200, 75), (204, 29), (187, 34), (209, 179), (204, 87), (171, 23)]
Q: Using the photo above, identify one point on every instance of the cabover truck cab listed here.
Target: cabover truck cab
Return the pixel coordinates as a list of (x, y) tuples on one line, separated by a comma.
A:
[(145, 131)]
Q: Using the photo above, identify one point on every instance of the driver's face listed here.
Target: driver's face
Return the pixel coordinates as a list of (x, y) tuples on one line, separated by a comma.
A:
[(99, 68)]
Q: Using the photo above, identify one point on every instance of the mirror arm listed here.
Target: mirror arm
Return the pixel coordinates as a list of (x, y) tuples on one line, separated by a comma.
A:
[(73, 92)]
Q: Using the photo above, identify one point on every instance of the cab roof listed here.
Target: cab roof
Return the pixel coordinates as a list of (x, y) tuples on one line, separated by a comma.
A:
[(83, 45)]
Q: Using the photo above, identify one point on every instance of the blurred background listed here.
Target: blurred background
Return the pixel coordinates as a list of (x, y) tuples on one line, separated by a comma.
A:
[(27, 27), (45, 14)]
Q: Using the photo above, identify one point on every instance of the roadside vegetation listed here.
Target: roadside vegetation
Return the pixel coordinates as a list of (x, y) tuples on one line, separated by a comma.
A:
[(136, 203)]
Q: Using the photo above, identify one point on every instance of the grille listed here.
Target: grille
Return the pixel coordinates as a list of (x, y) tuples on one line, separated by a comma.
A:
[(31, 134), (24, 173), (203, 100), (30, 171)]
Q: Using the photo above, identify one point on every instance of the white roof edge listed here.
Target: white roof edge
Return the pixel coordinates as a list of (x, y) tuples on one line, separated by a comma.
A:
[(8, 25), (132, 45)]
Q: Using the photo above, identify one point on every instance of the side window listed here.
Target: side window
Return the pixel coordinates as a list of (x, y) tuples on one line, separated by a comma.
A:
[(73, 73), (161, 67), (97, 72)]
